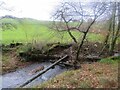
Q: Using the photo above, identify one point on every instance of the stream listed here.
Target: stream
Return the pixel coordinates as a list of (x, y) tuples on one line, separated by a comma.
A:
[(15, 79)]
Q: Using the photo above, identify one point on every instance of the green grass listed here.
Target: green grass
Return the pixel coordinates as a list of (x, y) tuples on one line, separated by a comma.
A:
[(95, 37), (110, 61), (29, 30)]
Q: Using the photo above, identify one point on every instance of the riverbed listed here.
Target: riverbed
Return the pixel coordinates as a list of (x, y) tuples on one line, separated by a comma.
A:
[(15, 79)]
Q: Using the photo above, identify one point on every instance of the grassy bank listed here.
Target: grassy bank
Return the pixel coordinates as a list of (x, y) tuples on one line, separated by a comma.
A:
[(95, 75)]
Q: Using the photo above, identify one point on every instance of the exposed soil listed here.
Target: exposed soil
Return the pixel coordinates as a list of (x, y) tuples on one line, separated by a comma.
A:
[(11, 61)]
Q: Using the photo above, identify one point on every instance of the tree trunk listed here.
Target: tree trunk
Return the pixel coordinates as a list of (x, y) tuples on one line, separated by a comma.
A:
[(74, 39), (115, 34), (84, 37), (81, 44)]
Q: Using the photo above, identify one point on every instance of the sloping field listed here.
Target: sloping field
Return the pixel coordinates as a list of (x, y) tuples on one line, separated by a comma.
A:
[(28, 30)]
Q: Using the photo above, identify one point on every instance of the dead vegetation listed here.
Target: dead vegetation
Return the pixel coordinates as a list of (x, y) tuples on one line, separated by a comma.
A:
[(95, 75), (13, 58)]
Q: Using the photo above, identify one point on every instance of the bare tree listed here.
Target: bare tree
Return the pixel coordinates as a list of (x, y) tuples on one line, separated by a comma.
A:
[(66, 14), (114, 27), (71, 15)]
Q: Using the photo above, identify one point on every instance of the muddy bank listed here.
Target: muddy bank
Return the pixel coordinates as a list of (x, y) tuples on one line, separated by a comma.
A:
[(16, 57)]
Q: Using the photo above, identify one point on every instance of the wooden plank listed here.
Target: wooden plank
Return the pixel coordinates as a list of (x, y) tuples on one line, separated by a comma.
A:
[(42, 72)]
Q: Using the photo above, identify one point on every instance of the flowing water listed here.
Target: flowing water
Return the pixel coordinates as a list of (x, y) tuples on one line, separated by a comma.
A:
[(15, 79)]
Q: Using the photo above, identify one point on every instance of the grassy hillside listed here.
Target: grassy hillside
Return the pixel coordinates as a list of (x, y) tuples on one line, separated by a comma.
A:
[(30, 30)]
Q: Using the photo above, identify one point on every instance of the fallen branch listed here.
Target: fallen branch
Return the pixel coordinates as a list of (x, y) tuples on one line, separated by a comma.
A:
[(42, 72), (38, 56), (66, 64), (56, 46), (42, 56), (62, 64), (91, 58)]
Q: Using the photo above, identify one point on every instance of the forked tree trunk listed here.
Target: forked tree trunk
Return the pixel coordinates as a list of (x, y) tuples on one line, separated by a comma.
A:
[(82, 42)]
